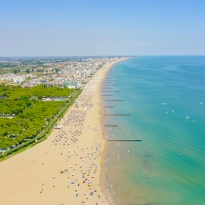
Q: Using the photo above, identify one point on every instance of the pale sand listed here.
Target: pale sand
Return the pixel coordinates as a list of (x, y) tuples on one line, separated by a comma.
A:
[(23, 176)]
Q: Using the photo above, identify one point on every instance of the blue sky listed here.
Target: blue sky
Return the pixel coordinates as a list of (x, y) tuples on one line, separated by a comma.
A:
[(102, 27)]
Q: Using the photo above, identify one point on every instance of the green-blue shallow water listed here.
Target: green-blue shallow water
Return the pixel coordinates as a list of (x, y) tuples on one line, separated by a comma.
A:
[(165, 98)]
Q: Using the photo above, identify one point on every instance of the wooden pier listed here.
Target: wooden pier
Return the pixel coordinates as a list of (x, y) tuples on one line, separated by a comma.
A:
[(125, 140), (110, 125), (116, 115), (110, 91), (113, 100)]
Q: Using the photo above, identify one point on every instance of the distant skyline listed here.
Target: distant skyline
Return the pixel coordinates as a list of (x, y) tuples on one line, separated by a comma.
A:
[(96, 28)]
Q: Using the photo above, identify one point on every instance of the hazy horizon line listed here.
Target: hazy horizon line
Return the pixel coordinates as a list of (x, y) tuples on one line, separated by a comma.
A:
[(81, 56)]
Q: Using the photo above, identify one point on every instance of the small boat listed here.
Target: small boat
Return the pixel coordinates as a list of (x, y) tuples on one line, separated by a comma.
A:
[(187, 117)]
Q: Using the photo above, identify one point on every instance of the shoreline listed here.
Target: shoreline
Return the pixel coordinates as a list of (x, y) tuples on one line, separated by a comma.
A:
[(66, 168), (106, 151)]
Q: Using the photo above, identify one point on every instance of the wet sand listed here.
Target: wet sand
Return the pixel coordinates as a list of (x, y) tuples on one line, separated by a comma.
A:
[(65, 168)]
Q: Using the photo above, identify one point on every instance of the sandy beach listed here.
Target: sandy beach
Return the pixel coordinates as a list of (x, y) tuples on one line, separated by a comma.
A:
[(65, 168)]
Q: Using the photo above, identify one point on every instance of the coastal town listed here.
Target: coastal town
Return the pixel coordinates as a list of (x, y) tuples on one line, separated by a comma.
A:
[(34, 83), (66, 164), (64, 73)]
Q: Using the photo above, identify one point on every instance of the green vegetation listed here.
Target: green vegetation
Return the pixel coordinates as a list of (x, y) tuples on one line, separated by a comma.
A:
[(16, 71), (25, 117), (15, 93), (8, 65), (57, 69)]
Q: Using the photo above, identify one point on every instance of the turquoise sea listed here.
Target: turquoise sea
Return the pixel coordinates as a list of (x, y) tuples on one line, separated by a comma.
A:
[(165, 98)]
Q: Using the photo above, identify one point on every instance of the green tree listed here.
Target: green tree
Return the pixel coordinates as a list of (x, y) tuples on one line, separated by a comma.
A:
[(56, 69)]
